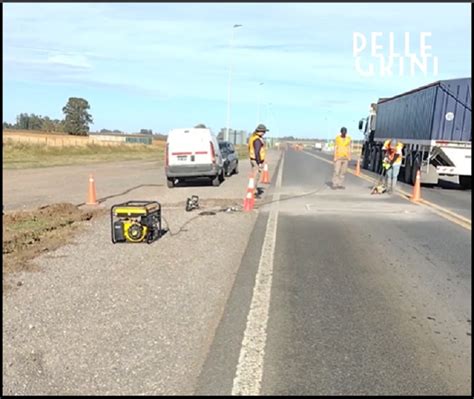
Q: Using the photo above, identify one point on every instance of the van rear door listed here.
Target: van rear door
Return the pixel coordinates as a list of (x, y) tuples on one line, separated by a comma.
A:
[(189, 146)]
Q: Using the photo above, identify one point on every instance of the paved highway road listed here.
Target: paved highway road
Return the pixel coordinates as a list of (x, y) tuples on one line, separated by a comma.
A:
[(341, 292), (448, 193)]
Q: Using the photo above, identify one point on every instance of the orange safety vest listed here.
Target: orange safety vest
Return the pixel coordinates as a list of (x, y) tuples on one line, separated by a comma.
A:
[(392, 151), (342, 147), (252, 139)]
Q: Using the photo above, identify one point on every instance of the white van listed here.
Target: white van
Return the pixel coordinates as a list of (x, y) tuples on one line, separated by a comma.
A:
[(193, 153)]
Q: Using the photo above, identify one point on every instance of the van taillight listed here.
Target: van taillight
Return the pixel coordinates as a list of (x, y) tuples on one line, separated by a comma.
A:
[(213, 153)]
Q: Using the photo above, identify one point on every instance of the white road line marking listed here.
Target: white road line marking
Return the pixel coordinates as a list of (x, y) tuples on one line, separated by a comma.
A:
[(248, 376)]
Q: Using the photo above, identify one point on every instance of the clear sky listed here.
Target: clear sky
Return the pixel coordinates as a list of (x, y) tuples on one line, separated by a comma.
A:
[(165, 65)]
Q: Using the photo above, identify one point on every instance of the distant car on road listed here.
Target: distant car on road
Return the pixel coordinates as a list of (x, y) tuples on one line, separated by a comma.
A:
[(318, 146), (231, 160)]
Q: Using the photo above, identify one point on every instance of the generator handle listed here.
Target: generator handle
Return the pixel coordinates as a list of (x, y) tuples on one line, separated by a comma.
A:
[(138, 202)]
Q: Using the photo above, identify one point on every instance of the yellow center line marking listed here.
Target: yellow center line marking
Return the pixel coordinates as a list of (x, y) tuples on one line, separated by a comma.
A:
[(439, 210)]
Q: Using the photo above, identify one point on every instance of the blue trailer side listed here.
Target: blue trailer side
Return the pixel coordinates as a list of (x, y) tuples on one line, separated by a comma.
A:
[(434, 124), (421, 113), (453, 96)]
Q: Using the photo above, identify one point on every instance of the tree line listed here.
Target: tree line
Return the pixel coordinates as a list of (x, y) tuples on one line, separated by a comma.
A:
[(76, 119)]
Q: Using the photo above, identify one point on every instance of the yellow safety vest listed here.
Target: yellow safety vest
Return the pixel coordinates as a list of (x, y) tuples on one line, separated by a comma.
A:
[(252, 139), (342, 147), (392, 151)]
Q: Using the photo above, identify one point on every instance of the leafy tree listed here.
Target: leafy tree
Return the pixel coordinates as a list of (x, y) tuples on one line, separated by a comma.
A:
[(35, 122), (77, 118), (58, 125), (47, 124), (146, 131), (23, 121)]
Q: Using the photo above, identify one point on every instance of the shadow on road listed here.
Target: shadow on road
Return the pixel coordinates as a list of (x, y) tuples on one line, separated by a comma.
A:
[(197, 182)]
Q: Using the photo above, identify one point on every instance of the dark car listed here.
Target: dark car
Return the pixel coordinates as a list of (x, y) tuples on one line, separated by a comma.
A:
[(231, 160)]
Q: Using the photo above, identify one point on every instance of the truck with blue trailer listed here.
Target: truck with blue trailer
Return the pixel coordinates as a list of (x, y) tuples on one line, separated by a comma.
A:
[(434, 124)]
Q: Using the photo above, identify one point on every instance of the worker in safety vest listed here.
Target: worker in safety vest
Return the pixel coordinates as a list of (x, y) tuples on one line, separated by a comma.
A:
[(342, 155), (392, 161), (257, 152)]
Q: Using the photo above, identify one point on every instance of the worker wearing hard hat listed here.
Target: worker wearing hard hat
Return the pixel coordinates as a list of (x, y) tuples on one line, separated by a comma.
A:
[(342, 155), (392, 162), (256, 147)]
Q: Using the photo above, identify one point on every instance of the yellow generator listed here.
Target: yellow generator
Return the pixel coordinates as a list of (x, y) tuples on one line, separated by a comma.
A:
[(136, 221)]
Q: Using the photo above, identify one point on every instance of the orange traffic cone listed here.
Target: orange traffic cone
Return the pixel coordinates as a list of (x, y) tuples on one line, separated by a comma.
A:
[(357, 172), (91, 196), (265, 176), (416, 196), (249, 200)]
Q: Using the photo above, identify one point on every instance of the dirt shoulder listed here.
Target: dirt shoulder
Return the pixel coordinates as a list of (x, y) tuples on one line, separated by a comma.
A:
[(98, 318), (27, 234)]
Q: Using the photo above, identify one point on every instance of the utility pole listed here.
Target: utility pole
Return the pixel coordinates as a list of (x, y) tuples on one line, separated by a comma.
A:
[(229, 88)]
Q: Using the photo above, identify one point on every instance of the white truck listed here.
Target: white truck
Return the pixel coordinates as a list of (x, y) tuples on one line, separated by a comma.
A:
[(434, 124)]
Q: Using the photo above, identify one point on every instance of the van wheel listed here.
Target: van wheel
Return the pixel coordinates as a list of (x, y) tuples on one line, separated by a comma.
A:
[(170, 183), (222, 176), (465, 182), (216, 181)]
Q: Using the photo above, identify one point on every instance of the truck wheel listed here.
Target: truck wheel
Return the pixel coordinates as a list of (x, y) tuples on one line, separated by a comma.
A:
[(378, 161), (465, 182), (365, 159), (373, 155), (216, 180), (415, 168), (170, 183), (407, 171)]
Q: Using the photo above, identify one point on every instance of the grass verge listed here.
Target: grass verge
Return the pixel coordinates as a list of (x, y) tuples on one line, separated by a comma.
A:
[(26, 155)]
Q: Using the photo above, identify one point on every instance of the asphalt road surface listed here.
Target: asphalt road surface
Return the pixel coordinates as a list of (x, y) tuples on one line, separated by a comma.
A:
[(344, 293), (447, 193)]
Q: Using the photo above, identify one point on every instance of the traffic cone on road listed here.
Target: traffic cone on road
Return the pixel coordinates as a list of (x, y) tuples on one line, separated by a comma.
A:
[(265, 176), (249, 200), (91, 195), (357, 172), (416, 196)]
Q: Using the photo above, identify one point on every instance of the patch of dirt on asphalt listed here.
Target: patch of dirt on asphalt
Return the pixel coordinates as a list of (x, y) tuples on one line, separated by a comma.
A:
[(26, 234)]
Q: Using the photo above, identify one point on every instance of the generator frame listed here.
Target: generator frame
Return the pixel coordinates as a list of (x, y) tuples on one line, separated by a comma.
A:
[(150, 210)]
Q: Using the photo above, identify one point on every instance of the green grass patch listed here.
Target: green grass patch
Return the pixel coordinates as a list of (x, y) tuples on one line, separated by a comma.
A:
[(30, 225), (18, 155)]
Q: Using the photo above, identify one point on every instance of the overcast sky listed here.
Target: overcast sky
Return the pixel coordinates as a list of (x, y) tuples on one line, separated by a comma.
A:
[(161, 66)]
